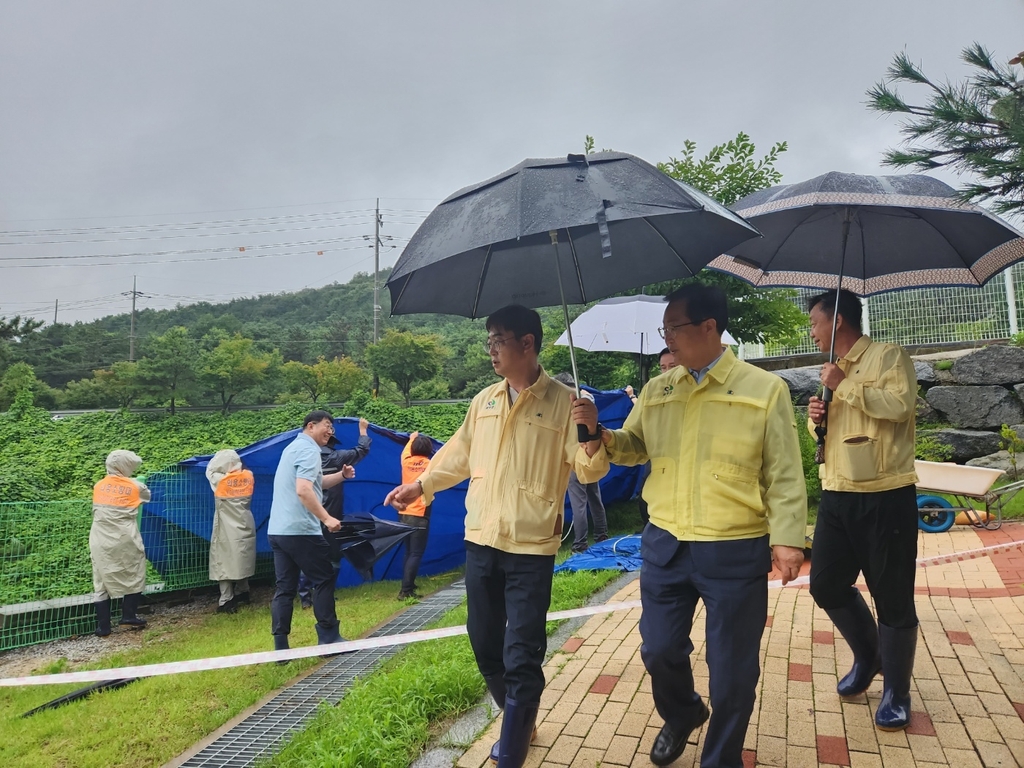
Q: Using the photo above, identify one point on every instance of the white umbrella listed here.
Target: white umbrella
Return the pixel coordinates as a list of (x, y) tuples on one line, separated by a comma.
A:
[(622, 324)]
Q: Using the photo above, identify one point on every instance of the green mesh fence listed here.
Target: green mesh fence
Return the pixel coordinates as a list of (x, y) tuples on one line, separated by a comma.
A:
[(45, 569)]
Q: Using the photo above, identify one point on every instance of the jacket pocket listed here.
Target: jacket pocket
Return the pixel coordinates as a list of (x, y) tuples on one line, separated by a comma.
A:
[(858, 458), (473, 503), (730, 501), (538, 519)]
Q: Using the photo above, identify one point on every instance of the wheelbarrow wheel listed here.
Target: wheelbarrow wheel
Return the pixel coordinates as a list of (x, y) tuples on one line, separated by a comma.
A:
[(934, 514)]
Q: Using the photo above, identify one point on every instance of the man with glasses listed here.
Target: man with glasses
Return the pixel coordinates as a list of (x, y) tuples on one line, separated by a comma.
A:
[(727, 499), (296, 512), (516, 447)]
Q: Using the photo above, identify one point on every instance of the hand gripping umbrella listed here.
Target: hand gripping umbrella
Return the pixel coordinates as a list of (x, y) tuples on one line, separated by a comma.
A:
[(559, 231), (868, 234)]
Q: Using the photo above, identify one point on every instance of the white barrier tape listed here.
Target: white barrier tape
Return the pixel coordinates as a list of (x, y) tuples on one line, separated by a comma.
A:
[(265, 657)]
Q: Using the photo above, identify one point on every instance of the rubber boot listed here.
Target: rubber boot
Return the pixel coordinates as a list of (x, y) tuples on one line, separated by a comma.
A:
[(857, 626), (898, 647), (496, 687), (281, 644), (516, 732), (103, 618), (129, 607), (326, 636)]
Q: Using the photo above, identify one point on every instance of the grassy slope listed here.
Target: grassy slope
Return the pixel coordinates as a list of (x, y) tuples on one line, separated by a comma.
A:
[(153, 720)]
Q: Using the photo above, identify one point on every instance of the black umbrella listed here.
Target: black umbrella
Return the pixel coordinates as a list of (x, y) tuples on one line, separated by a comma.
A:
[(364, 539), (559, 231), (869, 234)]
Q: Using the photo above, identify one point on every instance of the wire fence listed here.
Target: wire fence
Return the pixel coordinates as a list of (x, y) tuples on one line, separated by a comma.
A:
[(45, 568), (926, 315)]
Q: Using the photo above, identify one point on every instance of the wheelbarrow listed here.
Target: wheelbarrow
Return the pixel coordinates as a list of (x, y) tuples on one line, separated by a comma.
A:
[(977, 503)]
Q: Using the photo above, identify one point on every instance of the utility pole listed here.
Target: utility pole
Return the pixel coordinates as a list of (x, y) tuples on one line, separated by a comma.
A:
[(377, 223), (55, 303), (376, 286), (134, 293)]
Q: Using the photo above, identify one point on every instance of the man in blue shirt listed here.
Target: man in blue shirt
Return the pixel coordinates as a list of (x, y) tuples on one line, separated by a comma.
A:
[(294, 531)]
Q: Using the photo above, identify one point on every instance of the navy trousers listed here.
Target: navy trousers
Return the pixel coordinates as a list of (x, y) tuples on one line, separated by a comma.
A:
[(507, 599), (311, 555), (731, 577)]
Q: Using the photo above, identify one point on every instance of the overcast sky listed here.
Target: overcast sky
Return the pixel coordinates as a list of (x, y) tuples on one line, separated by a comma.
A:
[(157, 139)]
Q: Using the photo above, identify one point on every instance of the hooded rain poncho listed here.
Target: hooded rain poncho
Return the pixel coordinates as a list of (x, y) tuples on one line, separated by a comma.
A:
[(115, 544), (233, 542)]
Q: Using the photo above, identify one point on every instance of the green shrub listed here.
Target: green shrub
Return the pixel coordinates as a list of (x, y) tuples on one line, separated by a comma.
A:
[(808, 444), (927, 448)]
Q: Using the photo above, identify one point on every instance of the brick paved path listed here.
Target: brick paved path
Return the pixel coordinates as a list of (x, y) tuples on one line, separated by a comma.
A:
[(968, 687)]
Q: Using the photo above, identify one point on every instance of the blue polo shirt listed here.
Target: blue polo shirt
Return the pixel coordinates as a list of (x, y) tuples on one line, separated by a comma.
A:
[(288, 516)]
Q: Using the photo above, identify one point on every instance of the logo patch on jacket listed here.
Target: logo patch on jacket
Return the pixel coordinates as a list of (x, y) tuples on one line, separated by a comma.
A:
[(491, 404)]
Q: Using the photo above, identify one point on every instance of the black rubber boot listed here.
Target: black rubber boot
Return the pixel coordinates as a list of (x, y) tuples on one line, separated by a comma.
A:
[(898, 647), (516, 733), (326, 636), (857, 626), (103, 618), (129, 611), (496, 687), (281, 644)]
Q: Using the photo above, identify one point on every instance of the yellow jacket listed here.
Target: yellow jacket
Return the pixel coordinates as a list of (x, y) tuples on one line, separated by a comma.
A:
[(517, 459), (870, 442), (725, 456)]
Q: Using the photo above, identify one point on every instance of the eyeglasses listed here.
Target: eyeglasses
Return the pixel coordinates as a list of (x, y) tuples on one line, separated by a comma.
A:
[(672, 330), (492, 344)]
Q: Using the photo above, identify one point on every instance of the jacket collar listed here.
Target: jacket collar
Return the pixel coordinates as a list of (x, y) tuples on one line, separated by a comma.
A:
[(858, 349)]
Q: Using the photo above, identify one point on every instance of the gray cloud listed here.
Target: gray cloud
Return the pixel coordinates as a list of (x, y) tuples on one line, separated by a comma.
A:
[(121, 114)]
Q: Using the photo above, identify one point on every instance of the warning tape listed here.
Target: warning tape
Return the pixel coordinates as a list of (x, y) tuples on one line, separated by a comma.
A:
[(369, 643)]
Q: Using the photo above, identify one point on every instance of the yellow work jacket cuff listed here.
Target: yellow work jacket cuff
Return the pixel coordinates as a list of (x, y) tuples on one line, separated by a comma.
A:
[(428, 488)]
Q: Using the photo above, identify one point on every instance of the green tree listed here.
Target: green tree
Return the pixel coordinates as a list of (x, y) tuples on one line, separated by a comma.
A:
[(232, 367), (405, 358), (168, 369), (974, 127), (20, 379), (113, 387), (16, 327), (329, 380)]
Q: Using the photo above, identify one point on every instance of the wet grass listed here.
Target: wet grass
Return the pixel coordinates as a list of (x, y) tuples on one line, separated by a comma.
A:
[(153, 720)]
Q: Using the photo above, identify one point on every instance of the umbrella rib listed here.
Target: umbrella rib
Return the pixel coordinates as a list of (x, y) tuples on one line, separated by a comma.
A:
[(811, 210), (666, 242), (480, 281), (576, 265)]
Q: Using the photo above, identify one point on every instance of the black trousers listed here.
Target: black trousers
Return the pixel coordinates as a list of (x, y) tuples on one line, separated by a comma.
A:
[(507, 598), (873, 533), (415, 546), (310, 555), (731, 577)]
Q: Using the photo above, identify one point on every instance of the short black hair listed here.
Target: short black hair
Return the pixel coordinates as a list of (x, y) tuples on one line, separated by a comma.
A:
[(703, 302), (315, 417), (665, 351), (422, 446), (850, 308), (519, 321)]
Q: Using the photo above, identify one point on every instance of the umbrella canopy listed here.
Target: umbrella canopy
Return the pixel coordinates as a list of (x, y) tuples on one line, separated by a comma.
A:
[(609, 221), (880, 233), (622, 324), (364, 539)]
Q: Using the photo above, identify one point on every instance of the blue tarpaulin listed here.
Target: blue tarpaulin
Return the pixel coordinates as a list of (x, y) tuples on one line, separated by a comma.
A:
[(182, 499), (621, 553)]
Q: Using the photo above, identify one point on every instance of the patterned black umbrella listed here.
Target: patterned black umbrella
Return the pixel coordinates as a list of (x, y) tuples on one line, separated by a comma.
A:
[(869, 234)]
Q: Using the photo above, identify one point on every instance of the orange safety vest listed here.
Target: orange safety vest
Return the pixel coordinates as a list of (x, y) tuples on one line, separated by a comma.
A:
[(116, 491), (412, 467), (235, 485)]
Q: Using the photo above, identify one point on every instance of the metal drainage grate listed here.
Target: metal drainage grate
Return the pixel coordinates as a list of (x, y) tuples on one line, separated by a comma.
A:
[(264, 730)]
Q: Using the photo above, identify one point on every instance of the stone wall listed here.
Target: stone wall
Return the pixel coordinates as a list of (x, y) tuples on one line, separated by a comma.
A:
[(983, 390)]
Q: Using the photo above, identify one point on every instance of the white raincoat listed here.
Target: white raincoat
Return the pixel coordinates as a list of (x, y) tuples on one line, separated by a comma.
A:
[(115, 544), (233, 543)]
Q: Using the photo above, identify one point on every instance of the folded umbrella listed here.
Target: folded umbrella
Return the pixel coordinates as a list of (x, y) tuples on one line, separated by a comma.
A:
[(364, 539)]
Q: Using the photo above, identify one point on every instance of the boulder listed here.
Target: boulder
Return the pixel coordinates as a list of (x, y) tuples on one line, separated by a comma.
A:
[(966, 443), (991, 365), (1000, 460), (925, 372), (925, 413), (803, 382), (976, 407)]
